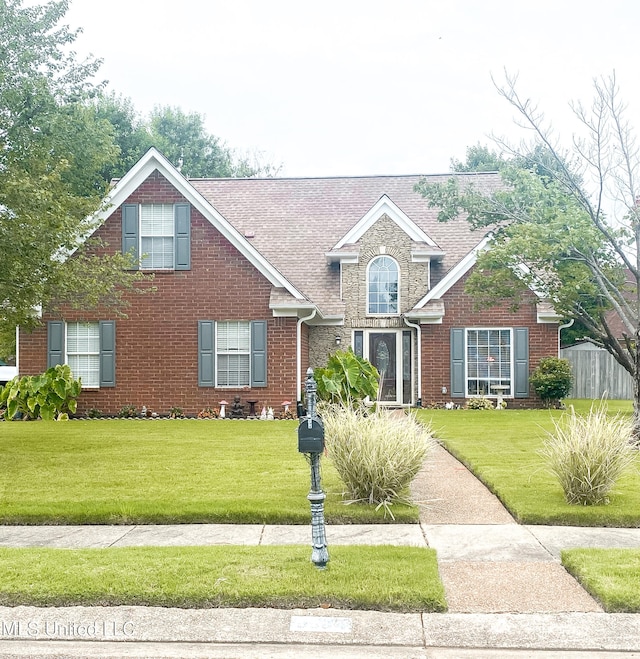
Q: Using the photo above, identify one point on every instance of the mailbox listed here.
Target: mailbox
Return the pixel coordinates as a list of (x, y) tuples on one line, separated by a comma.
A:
[(311, 436)]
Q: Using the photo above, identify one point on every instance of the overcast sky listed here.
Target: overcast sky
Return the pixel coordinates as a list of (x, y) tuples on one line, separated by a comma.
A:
[(357, 87)]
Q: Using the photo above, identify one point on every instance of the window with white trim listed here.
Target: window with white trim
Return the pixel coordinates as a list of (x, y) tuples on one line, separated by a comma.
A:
[(156, 236), (383, 277), (233, 353), (489, 357), (83, 352)]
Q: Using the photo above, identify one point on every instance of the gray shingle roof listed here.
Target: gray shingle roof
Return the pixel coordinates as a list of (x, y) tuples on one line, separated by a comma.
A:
[(294, 222)]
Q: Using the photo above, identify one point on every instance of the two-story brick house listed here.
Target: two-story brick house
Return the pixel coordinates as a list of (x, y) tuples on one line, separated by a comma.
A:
[(256, 279)]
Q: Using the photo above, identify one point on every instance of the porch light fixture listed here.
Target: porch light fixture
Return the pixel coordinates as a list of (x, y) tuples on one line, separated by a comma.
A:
[(338, 339)]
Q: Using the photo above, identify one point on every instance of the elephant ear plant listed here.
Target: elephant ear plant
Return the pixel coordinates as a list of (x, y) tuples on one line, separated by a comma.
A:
[(51, 395), (347, 379)]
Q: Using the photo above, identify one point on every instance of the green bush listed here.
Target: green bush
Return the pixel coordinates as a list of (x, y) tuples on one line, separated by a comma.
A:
[(376, 454), (479, 404), (347, 379), (588, 454), (552, 380), (127, 412), (51, 395)]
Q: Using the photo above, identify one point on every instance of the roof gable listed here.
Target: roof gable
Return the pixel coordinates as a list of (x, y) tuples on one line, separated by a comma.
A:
[(154, 160), (384, 206), (454, 275)]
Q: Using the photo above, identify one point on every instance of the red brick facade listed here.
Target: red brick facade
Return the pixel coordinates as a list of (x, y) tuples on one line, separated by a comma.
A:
[(157, 344), (460, 312)]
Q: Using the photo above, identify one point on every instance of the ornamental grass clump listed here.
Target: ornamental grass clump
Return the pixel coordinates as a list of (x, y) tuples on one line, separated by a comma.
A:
[(589, 453), (376, 454)]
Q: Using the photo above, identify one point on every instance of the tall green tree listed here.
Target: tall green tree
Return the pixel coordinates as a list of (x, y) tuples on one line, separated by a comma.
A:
[(181, 136), (130, 132), (567, 227), (479, 158), (53, 147)]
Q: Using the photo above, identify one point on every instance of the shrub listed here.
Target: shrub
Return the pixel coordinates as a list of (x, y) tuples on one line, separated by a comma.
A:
[(347, 379), (94, 413), (588, 454), (176, 413), (376, 455), (479, 404), (51, 395), (127, 412), (552, 380)]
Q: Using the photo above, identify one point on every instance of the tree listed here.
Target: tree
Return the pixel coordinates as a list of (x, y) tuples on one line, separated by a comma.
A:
[(567, 227), (479, 159), (180, 136), (130, 133), (52, 149)]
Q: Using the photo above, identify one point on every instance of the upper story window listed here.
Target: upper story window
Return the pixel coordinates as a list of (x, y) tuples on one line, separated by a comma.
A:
[(383, 277), (158, 235)]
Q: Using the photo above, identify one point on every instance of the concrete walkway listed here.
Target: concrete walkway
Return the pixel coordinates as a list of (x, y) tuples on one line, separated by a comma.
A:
[(507, 592)]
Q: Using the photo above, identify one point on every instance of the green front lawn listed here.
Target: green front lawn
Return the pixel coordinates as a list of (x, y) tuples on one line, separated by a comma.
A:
[(612, 576), (383, 577), (501, 448), (164, 471)]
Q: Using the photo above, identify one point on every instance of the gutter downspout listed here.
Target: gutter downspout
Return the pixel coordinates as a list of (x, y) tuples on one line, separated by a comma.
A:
[(418, 329), (299, 355), (560, 328)]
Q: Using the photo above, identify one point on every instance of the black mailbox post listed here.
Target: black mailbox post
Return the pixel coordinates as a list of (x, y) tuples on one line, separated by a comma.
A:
[(311, 443)]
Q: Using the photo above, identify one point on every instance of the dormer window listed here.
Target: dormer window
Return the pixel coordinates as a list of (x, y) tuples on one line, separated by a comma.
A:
[(383, 278)]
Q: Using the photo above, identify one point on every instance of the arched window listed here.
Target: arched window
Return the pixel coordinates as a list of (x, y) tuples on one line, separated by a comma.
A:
[(382, 286)]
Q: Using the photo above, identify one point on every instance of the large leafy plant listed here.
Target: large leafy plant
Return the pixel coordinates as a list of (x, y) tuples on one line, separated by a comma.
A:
[(51, 395), (347, 379)]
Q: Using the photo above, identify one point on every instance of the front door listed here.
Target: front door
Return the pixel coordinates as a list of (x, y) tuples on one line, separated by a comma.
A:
[(383, 355)]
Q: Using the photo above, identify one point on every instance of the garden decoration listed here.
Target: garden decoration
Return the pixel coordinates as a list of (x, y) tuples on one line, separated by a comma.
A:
[(311, 442), (237, 409)]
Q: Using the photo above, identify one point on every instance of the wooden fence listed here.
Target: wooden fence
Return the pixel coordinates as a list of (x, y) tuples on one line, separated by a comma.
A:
[(596, 373)]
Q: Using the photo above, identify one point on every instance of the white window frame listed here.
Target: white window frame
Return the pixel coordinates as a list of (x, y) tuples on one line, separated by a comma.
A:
[(368, 291), (237, 351), (495, 380), (166, 236), (96, 354)]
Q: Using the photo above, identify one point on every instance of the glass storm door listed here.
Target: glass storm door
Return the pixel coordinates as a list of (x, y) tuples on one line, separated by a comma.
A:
[(383, 355)]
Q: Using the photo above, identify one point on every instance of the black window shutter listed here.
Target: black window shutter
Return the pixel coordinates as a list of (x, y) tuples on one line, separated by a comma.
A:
[(107, 353), (206, 353), (259, 353), (182, 215), (521, 362), (55, 343), (458, 388), (130, 230)]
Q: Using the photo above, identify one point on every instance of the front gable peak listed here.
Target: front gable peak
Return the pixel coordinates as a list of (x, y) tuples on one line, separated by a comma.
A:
[(384, 206), (153, 160)]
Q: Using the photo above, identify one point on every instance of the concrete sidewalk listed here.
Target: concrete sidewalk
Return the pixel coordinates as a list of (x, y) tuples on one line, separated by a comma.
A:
[(157, 632), (508, 595)]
